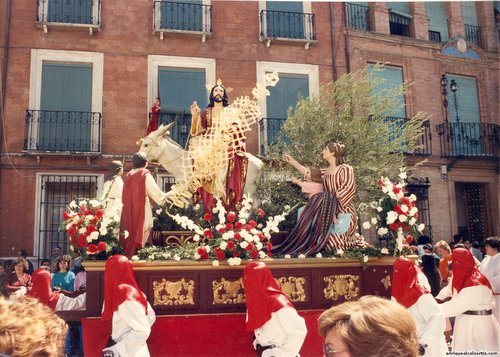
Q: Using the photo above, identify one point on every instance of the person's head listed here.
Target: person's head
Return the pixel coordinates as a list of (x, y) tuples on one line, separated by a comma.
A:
[(116, 167), (218, 94), (56, 252), (22, 253), (442, 248), (157, 101), (428, 263), (405, 286), (139, 160), (491, 245), (29, 328), (21, 266), (3, 268), (374, 324), (459, 245), (336, 149), (468, 244), (465, 271), (427, 248), (457, 238), (45, 263), (41, 288), (63, 263), (422, 240)]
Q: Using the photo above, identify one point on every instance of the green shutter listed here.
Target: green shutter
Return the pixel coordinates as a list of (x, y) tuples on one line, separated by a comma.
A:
[(468, 10), (399, 7), (467, 100), (70, 11), (65, 107), (286, 93), (285, 19), (438, 18), (182, 15), (392, 78)]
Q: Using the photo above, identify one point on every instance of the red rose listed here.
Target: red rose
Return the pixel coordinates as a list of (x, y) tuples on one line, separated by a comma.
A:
[(66, 215), (409, 238), (261, 236), (89, 212), (71, 230), (254, 254), (90, 229), (393, 227), (236, 253), (229, 227), (99, 213), (92, 249), (208, 233), (102, 246), (248, 227), (82, 242), (207, 217), (237, 236), (406, 228), (269, 246), (222, 230), (405, 201), (219, 254), (396, 190), (397, 209), (231, 217), (238, 225), (380, 183), (249, 247), (261, 212), (252, 223), (203, 253), (230, 245)]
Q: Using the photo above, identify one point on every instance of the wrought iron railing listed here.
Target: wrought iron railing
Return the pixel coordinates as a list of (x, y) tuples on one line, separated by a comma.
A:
[(62, 131), (287, 25), (435, 36), (84, 12), (270, 131), (357, 17), (182, 127), (472, 140), (424, 141), (399, 25), (473, 34), (179, 16)]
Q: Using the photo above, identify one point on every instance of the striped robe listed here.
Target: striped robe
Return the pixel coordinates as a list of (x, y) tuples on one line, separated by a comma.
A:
[(311, 233)]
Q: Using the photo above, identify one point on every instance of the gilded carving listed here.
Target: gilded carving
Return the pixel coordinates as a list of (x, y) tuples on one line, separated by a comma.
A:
[(227, 292), (169, 292), (293, 287), (345, 285), (387, 282)]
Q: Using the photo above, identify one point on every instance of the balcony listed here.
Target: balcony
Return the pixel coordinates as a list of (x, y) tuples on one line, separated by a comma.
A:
[(287, 26), (424, 141), (62, 132), (435, 36), (473, 34), (270, 131), (399, 24), (179, 17), (469, 140), (357, 17), (69, 13), (180, 131)]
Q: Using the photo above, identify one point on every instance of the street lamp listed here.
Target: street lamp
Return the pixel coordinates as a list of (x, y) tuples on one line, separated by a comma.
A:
[(454, 88), (444, 85)]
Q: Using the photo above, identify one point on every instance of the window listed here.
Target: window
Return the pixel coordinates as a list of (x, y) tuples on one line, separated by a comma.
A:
[(469, 17), (194, 16), (357, 15), (65, 102), (82, 13), (165, 182), (438, 21), (399, 18), (295, 80), (54, 193), (392, 78), (179, 81)]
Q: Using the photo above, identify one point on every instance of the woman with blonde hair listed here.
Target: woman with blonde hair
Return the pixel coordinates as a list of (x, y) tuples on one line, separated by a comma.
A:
[(368, 327)]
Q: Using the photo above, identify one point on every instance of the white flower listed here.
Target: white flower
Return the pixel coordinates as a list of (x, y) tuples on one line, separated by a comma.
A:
[(158, 211), (400, 195), (420, 227), (223, 245), (287, 256), (177, 258), (95, 203), (82, 203), (391, 217), (382, 231), (340, 252), (412, 197), (319, 255), (243, 244), (366, 225), (75, 219), (207, 248), (196, 256), (365, 258), (103, 230), (196, 237), (373, 204), (94, 235), (125, 234), (413, 210), (134, 258), (72, 204), (215, 263), (384, 251), (392, 195), (68, 226), (379, 209), (301, 256), (402, 175), (404, 208), (402, 218), (374, 220), (234, 261), (262, 255), (259, 245), (82, 230), (412, 221)]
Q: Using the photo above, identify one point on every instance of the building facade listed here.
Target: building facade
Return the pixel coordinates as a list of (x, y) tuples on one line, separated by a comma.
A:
[(79, 78)]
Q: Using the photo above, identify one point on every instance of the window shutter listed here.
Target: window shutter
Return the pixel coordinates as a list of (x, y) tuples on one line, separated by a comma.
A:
[(181, 15), (286, 93), (287, 22), (178, 88), (401, 8), (393, 77), (467, 100), (438, 18), (469, 15)]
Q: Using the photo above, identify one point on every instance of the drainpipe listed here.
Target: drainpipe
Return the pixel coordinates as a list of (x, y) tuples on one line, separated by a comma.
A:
[(334, 51), (4, 67), (346, 40)]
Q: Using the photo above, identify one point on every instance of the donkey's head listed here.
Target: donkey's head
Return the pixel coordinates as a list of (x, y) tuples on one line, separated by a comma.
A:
[(151, 144)]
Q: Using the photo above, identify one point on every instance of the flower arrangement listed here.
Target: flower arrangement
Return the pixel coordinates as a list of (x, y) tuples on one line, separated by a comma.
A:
[(90, 231), (234, 236), (396, 213)]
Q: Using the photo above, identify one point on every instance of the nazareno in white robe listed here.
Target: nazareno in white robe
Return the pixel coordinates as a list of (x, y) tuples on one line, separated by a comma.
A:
[(471, 332), (490, 267)]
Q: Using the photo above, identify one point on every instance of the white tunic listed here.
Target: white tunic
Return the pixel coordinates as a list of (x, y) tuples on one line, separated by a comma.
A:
[(131, 329), (490, 267), (65, 303), (471, 332), (112, 197), (286, 330), (430, 325)]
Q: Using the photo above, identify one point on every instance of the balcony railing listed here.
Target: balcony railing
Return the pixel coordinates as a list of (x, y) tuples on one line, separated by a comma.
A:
[(270, 131), (291, 26), (473, 34), (435, 36), (357, 16), (399, 25), (84, 13), (180, 130), (62, 131), (424, 141), (182, 17), (470, 140)]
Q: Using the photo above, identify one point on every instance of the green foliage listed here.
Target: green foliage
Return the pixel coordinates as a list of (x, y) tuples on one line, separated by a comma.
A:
[(351, 111)]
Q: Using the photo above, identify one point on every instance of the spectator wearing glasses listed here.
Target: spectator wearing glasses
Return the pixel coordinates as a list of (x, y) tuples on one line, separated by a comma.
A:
[(370, 326)]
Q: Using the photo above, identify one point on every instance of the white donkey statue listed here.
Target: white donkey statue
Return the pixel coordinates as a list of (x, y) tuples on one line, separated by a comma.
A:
[(160, 148)]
